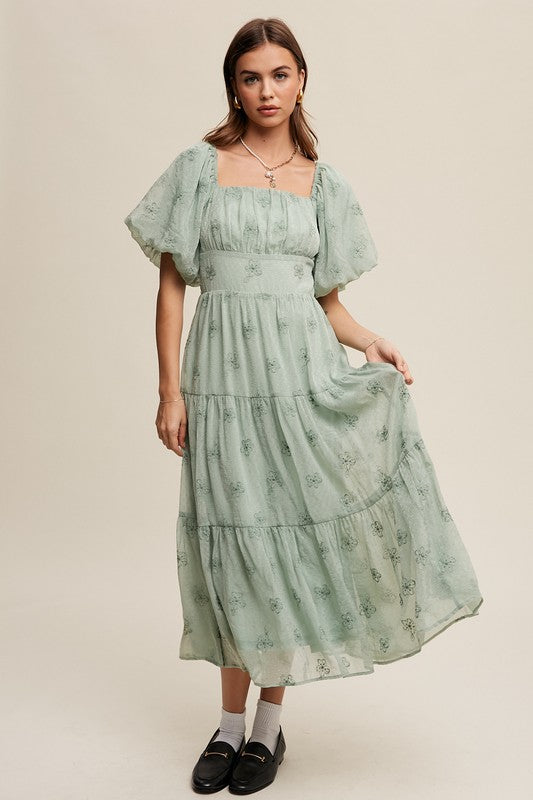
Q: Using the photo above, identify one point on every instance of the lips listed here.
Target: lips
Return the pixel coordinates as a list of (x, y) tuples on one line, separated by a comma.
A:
[(267, 108)]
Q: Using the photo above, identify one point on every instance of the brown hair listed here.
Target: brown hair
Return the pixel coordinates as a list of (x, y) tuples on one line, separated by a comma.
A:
[(251, 35)]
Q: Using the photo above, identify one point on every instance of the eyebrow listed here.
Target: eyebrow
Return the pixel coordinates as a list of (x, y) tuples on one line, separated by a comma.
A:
[(283, 66)]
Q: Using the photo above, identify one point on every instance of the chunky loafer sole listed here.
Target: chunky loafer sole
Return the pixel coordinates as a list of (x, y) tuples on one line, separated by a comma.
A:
[(213, 769), (256, 767)]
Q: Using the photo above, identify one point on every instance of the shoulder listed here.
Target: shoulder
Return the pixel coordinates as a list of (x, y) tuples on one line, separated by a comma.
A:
[(195, 153), (332, 179)]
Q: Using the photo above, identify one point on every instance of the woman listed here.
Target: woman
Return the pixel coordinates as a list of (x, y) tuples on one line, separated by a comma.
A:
[(312, 537)]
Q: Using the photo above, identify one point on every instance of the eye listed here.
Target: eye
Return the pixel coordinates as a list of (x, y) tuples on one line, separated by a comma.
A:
[(253, 77)]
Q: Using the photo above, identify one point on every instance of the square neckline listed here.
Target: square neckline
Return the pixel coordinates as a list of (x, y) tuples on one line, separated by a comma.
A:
[(214, 153)]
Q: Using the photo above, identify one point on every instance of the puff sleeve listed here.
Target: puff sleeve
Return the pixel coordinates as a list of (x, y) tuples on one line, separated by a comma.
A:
[(168, 217), (346, 247)]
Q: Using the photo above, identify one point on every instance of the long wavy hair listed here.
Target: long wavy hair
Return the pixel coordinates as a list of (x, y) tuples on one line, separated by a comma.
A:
[(253, 34)]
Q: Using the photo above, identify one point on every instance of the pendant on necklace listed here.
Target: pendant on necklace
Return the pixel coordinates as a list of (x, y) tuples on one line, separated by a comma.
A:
[(270, 174)]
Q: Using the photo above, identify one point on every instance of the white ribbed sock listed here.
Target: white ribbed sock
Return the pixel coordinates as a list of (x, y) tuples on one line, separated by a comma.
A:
[(266, 724), (232, 727)]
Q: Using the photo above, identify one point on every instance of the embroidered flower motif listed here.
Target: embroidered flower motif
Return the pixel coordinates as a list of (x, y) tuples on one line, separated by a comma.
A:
[(313, 479), (209, 272), (312, 324), (272, 364), (393, 554), (446, 562), (322, 668), (345, 662), (445, 514), (349, 541), (408, 585), (298, 270), (385, 481), (367, 607), (423, 490), (296, 596), (298, 637), (283, 325), (186, 626), (259, 407), (384, 643), (304, 518), (276, 604), (253, 269), (248, 330), (404, 393), (418, 609), (376, 574), (421, 555), (409, 625), (303, 355), (214, 453), (215, 563), (374, 387), (376, 528), (200, 597), (347, 461), (202, 486), (323, 548), (246, 446), (249, 567), (348, 620), (285, 448), (273, 478), (312, 437), (264, 641), (287, 680), (182, 558), (232, 360), (322, 592), (401, 536), (229, 415), (237, 488), (350, 420), (347, 499), (236, 601), (212, 328), (382, 434)]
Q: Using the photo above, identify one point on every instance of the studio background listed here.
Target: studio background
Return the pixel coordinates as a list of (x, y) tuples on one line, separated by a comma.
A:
[(425, 108)]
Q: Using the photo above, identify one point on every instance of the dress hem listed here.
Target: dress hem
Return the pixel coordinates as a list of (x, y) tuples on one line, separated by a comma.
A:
[(442, 625)]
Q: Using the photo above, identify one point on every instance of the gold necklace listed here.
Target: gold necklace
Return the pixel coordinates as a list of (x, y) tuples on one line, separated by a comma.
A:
[(270, 170)]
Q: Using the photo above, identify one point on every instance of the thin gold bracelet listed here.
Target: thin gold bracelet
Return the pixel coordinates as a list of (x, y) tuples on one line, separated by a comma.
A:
[(172, 401), (372, 342)]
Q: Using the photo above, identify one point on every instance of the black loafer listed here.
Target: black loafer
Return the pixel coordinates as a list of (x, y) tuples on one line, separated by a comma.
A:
[(212, 770), (256, 767)]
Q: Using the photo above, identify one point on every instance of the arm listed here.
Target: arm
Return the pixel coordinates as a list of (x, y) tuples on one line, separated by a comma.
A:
[(171, 416), (352, 334)]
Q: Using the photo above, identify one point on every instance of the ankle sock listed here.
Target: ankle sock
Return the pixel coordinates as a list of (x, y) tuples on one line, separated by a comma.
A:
[(266, 724), (232, 727)]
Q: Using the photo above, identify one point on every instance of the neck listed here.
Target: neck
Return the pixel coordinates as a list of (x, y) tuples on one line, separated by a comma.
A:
[(272, 145)]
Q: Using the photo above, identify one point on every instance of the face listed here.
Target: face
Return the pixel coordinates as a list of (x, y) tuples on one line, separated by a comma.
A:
[(268, 76)]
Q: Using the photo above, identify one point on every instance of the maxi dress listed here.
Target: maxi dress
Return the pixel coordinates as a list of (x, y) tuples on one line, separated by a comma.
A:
[(313, 540)]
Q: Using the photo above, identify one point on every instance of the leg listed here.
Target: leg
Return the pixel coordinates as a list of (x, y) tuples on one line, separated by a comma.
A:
[(235, 685), (273, 694)]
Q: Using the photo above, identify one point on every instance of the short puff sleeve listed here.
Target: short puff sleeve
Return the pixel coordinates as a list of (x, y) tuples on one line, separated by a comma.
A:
[(346, 247), (168, 218)]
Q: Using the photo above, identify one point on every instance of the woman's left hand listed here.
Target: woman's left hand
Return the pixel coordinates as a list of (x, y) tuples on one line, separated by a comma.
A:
[(383, 350)]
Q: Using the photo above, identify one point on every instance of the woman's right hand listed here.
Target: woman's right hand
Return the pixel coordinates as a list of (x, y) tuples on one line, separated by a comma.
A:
[(171, 424)]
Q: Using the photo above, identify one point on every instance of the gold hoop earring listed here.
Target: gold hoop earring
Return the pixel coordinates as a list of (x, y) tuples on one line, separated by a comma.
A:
[(300, 96), (236, 102)]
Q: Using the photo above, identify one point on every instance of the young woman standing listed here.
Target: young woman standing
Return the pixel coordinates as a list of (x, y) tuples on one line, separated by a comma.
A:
[(313, 540)]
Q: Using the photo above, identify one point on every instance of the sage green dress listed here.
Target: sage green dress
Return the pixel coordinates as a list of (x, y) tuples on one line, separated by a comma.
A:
[(313, 540)]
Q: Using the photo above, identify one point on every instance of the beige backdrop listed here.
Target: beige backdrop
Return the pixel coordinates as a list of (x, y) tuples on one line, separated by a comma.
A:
[(425, 107)]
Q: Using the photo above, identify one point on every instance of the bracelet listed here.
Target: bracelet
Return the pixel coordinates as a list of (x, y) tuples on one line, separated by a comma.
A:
[(372, 342), (172, 401)]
